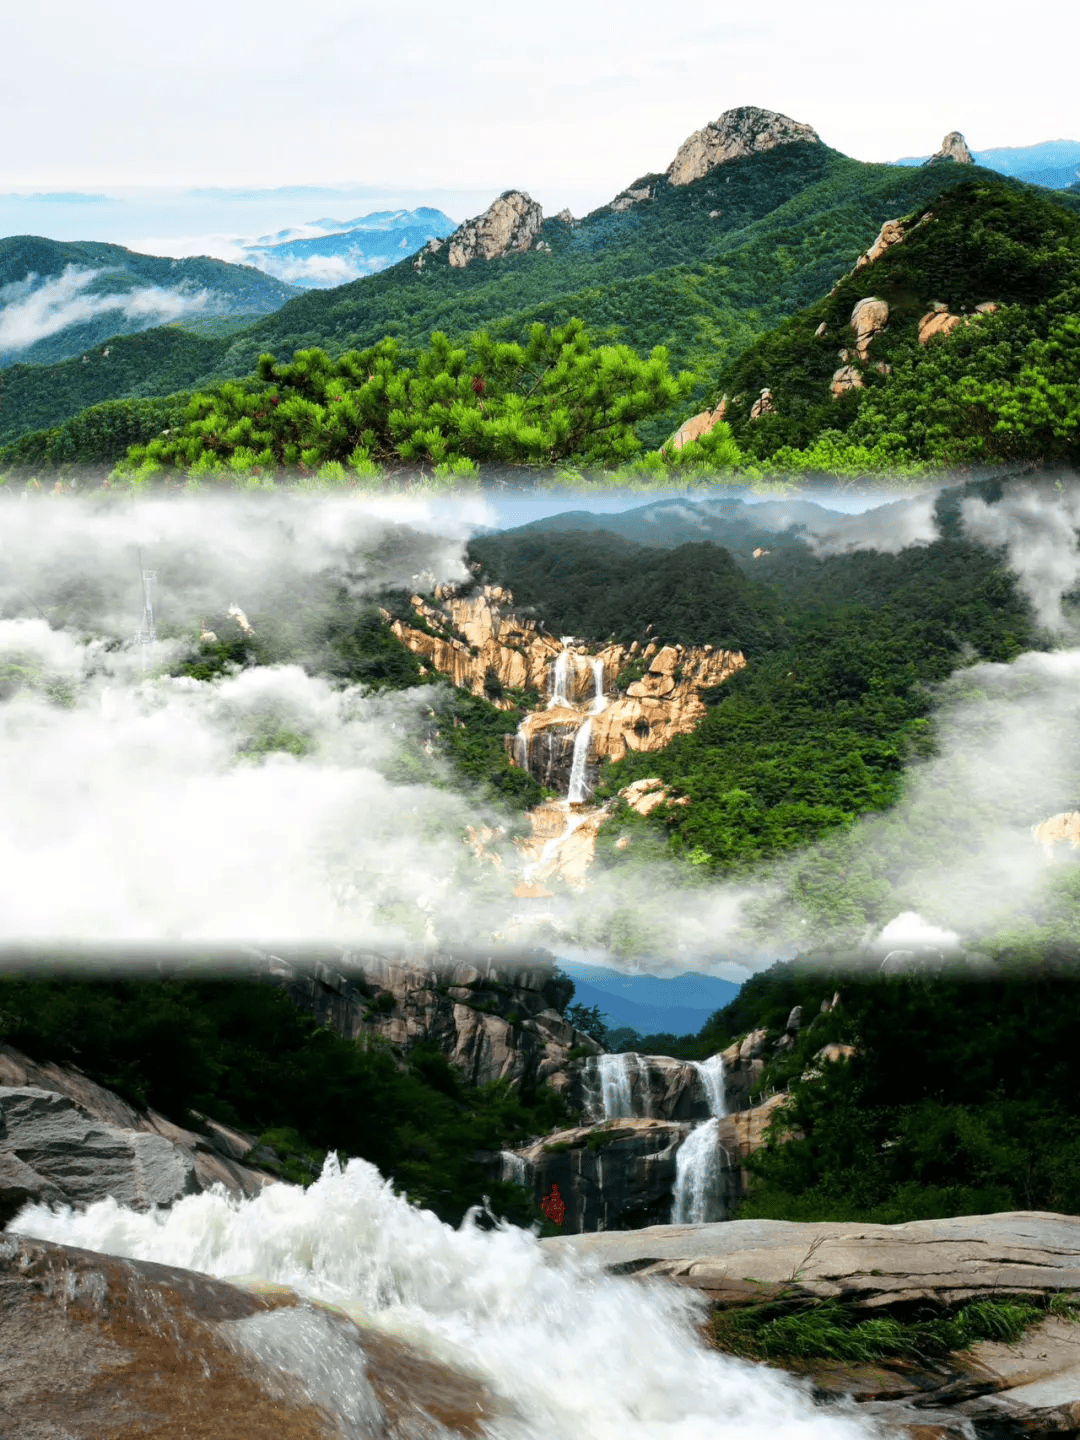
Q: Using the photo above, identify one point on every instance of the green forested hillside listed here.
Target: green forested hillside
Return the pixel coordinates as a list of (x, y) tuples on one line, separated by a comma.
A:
[(835, 699), (1001, 387), (702, 269)]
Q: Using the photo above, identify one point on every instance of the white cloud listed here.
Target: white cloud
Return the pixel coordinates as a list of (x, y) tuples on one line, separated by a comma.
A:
[(30, 311), (137, 807), (1038, 527)]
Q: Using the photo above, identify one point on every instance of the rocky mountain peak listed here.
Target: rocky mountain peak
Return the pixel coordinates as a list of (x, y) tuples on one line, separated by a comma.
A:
[(509, 223), (743, 131), (953, 147)]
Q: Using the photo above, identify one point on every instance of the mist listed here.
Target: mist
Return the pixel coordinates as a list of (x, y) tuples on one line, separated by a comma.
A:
[(276, 804), (30, 311)]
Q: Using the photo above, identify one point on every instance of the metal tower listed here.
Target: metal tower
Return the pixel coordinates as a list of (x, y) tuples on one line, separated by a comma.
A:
[(147, 634)]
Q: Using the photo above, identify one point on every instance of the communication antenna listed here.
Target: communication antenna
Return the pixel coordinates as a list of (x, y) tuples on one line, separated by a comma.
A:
[(146, 635)]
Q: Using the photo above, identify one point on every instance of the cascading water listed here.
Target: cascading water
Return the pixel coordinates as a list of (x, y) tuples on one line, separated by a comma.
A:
[(699, 1160), (616, 1086), (579, 776), (559, 677), (576, 1353)]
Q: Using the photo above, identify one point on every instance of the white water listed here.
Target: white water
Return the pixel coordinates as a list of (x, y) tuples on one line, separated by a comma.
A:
[(712, 1079), (616, 1090), (579, 777), (559, 678), (599, 698), (580, 1355), (698, 1168), (514, 1168), (699, 1160)]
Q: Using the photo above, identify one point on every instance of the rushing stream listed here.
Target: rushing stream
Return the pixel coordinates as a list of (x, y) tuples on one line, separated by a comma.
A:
[(579, 1355)]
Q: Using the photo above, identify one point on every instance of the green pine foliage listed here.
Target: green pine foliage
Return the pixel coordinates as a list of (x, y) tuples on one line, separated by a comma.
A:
[(554, 398), (703, 270)]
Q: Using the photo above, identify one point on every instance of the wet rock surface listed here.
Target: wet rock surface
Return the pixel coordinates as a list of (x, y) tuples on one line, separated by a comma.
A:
[(99, 1348), (994, 1391)]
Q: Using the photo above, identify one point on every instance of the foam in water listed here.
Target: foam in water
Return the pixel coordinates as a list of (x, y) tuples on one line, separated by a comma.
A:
[(579, 786), (699, 1160), (615, 1085), (578, 1354), (698, 1168)]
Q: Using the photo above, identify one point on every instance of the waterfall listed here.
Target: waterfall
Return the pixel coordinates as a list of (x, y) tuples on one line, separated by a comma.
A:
[(712, 1080), (698, 1169), (559, 678), (579, 785), (699, 1160), (514, 1169), (599, 698), (616, 1091)]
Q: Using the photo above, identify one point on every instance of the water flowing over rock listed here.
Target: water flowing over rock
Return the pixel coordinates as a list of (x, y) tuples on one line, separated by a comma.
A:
[(743, 131), (510, 223), (655, 1087), (953, 147), (95, 1346), (703, 1164)]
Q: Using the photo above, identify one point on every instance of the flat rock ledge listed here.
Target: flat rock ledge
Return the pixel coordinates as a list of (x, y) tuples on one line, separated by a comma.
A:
[(994, 1391)]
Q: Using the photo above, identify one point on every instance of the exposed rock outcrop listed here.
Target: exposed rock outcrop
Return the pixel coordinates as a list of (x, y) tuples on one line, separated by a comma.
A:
[(630, 197), (890, 234), (494, 1018), (697, 426), (869, 318), (510, 223), (96, 1346), (66, 1155), (479, 643), (743, 131), (1058, 830), (844, 379), (953, 147), (763, 405), (65, 1138), (939, 320)]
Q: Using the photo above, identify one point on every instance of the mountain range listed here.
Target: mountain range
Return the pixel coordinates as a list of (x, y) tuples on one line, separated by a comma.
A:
[(325, 253), (754, 220)]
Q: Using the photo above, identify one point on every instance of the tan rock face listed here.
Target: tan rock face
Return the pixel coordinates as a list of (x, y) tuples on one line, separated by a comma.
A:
[(844, 379), (941, 321), (471, 639), (697, 426), (509, 223), (953, 147), (890, 234), (631, 197), (763, 405), (744, 131), (644, 796), (1058, 830), (868, 319)]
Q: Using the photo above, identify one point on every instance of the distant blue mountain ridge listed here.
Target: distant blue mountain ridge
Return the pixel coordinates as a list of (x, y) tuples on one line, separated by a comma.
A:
[(1053, 163), (346, 249), (650, 1004)]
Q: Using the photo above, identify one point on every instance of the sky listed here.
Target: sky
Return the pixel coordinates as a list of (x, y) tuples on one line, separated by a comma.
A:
[(450, 105)]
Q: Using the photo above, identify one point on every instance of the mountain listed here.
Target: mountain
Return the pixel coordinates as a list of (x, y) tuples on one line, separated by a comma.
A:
[(754, 220), (951, 341), (347, 249), (649, 1004), (1053, 163), (739, 527), (58, 298)]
